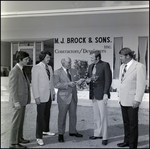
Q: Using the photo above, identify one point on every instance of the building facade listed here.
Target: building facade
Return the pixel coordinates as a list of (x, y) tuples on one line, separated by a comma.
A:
[(74, 32)]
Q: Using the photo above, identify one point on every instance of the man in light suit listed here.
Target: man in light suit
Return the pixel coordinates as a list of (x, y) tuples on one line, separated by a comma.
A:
[(99, 79), (132, 81), (43, 93), (19, 88), (65, 79)]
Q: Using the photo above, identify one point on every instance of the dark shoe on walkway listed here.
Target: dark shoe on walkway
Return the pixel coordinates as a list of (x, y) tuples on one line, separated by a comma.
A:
[(104, 142), (22, 140), (124, 144), (93, 137), (17, 146), (76, 134), (61, 138)]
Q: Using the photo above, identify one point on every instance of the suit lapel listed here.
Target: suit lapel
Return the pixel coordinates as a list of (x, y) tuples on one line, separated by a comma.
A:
[(43, 68), (64, 74), (72, 74), (20, 71), (99, 68), (91, 66), (130, 70)]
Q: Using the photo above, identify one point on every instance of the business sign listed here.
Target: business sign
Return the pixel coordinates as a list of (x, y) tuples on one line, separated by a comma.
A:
[(78, 48)]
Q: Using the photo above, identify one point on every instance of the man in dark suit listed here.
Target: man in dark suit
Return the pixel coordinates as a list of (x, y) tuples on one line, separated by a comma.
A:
[(19, 87), (99, 80), (65, 79)]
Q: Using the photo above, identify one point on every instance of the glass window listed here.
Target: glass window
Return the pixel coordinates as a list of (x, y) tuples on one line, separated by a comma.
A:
[(37, 50)]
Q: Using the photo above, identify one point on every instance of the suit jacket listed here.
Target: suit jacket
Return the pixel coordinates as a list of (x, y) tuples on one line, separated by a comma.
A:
[(65, 92), (41, 85), (133, 84), (19, 87), (103, 83)]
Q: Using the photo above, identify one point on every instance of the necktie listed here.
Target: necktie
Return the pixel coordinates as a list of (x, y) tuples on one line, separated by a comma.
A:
[(47, 70), (94, 70), (124, 71), (24, 73), (68, 74)]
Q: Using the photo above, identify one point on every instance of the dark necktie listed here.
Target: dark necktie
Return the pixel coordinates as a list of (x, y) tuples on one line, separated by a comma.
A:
[(47, 70), (124, 71), (24, 74), (68, 74)]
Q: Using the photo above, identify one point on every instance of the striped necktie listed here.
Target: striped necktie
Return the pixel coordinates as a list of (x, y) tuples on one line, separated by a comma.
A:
[(68, 74), (47, 70), (124, 71)]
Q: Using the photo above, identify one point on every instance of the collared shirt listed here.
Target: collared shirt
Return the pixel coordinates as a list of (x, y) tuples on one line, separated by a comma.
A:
[(94, 69), (128, 65), (19, 66), (43, 64), (65, 70)]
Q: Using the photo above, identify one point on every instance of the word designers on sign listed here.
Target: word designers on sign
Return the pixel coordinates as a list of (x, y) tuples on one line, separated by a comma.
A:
[(78, 51)]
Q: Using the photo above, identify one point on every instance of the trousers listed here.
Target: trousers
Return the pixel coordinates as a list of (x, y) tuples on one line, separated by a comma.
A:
[(63, 109), (43, 118), (16, 131), (100, 119), (130, 121)]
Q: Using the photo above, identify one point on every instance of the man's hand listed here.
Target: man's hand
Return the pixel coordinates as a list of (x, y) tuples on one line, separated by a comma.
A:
[(17, 105), (72, 84), (88, 80), (80, 81), (105, 98), (37, 100), (135, 104)]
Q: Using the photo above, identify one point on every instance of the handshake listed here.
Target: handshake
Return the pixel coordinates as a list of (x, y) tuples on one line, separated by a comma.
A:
[(88, 80)]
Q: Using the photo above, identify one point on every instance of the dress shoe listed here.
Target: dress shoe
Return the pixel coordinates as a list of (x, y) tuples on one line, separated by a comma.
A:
[(104, 142), (76, 134), (124, 144), (61, 138), (17, 146), (49, 133), (22, 140), (93, 137)]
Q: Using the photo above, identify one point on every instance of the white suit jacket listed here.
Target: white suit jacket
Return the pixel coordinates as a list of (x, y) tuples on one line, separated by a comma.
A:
[(41, 85), (133, 85)]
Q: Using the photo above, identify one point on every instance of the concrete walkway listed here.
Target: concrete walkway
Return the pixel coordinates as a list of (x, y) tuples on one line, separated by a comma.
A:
[(85, 124)]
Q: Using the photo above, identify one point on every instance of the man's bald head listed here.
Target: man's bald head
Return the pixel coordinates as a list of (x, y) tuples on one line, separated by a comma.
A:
[(66, 62)]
